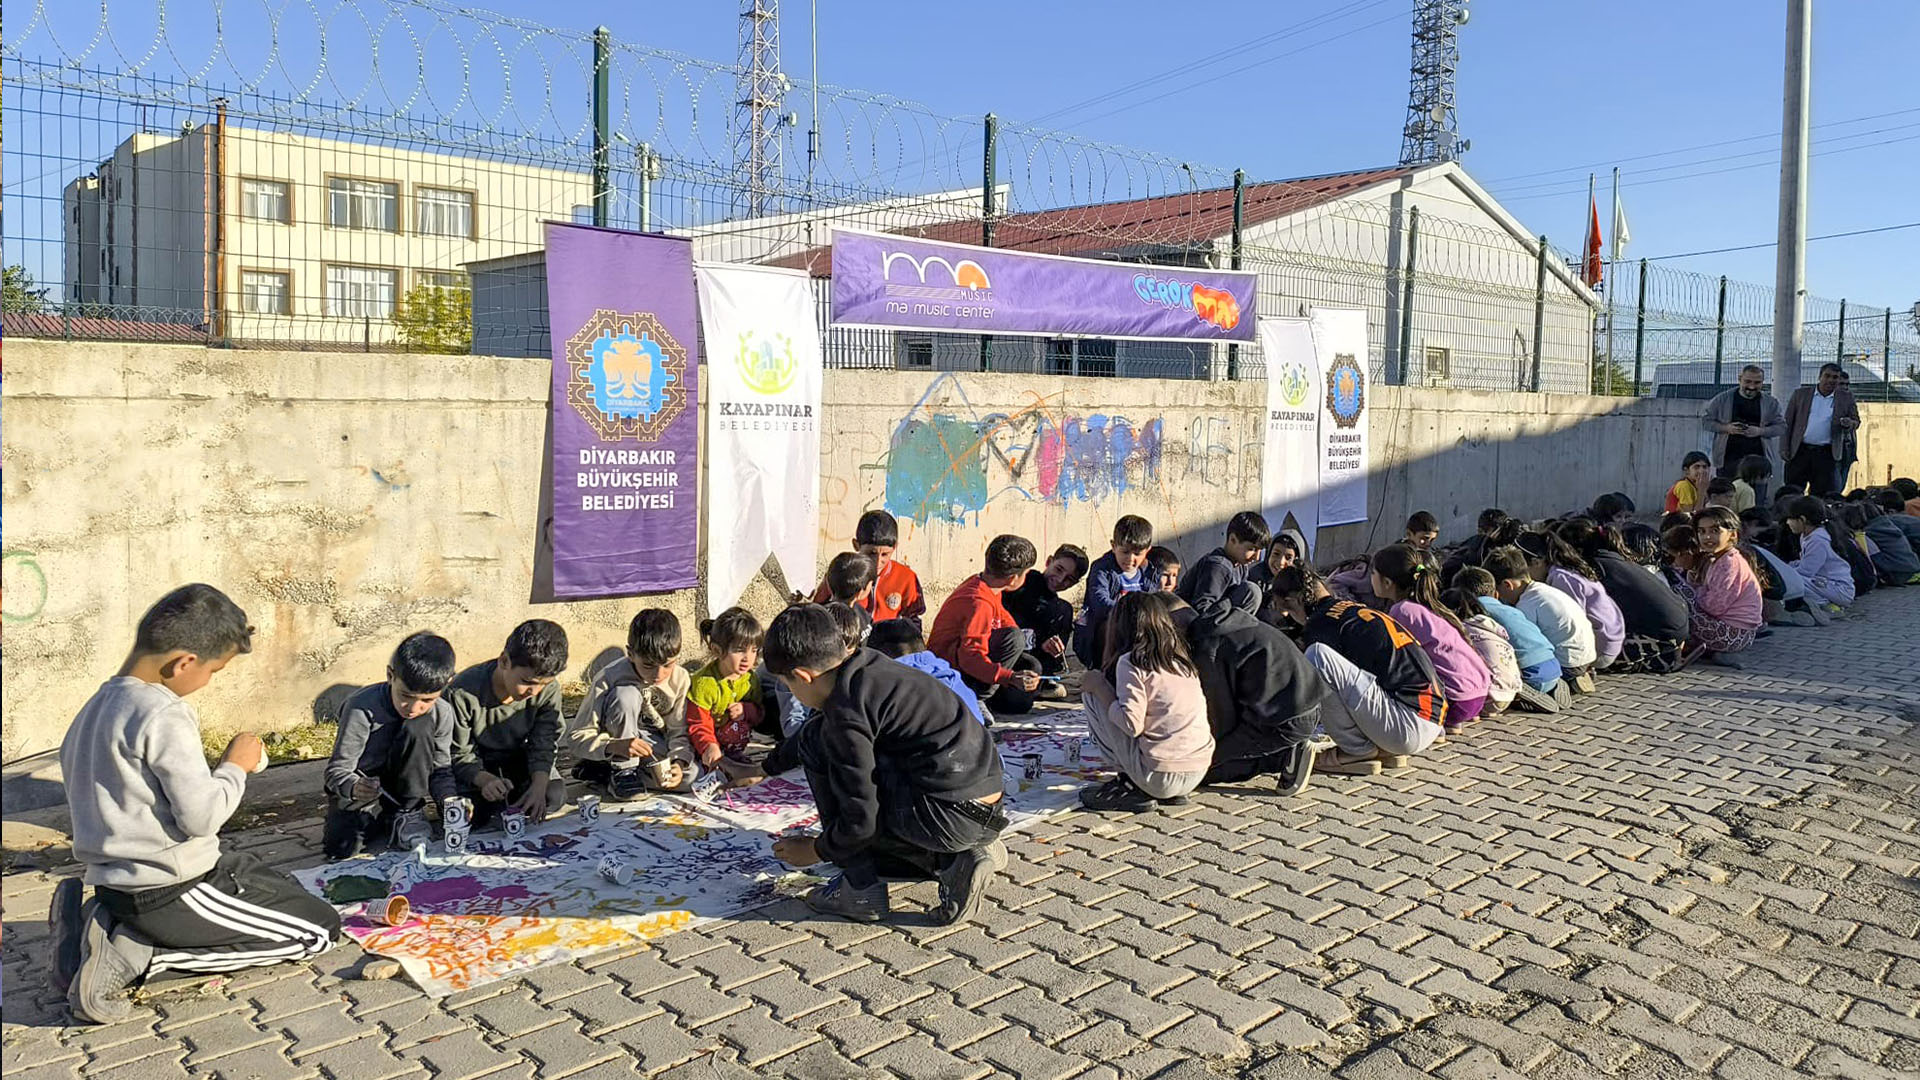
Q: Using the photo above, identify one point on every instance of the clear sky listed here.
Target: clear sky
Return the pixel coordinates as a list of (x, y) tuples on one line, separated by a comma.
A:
[(1683, 94)]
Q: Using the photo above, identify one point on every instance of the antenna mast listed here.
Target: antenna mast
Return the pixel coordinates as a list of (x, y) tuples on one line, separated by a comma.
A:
[(761, 90), (1432, 133)]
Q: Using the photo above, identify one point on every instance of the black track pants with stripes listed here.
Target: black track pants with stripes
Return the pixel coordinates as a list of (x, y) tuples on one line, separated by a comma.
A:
[(241, 914)]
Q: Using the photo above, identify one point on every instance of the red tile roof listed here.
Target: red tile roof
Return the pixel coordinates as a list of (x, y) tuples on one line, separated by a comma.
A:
[(93, 328), (1181, 219)]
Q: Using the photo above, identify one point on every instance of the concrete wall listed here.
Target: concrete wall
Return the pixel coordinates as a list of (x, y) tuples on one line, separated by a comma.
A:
[(345, 499)]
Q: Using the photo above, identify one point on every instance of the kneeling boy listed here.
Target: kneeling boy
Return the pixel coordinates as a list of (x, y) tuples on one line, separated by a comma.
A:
[(146, 817), (506, 725), (905, 778), (394, 750), (631, 730)]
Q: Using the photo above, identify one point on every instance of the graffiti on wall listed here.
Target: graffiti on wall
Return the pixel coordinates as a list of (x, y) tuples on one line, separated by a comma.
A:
[(947, 464)]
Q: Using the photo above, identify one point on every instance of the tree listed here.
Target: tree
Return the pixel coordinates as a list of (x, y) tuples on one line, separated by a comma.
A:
[(1612, 380), (17, 293), (435, 319)]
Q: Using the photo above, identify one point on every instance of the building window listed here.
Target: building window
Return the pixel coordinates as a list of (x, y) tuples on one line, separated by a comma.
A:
[(266, 200), (363, 204), (361, 291), (266, 292), (442, 212), (441, 279), (916, 352)]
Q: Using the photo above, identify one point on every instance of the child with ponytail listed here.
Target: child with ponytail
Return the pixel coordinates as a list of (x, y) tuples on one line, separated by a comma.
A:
[(1828, 576), (1553, 562), (1407, 580), (1490, 640), (727, 700), (1727, 609)]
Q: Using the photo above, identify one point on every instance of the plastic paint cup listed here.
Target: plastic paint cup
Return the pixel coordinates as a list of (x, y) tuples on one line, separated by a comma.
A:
[(1033, 769), (456, 840), (1073, 750), (658, 768), (589, 808), (615, 871), (456, 813), (514, 821), (392, 911)]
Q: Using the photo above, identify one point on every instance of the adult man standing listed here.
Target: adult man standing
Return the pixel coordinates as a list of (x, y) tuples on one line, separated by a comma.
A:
[(1743, 420), (1817, 418)]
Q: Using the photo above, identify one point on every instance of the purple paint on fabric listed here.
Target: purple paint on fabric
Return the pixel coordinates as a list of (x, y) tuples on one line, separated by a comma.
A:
[(625, 416), (893, 281)]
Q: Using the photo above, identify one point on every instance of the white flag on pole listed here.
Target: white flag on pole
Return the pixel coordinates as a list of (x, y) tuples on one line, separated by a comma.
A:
[(763, 379), (1621, 237)]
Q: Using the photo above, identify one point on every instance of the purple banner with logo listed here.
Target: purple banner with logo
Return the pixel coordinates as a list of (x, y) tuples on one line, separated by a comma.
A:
[(894, 282), (625, 422)]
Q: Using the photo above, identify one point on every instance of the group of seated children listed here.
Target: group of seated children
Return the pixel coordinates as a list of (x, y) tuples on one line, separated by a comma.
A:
[(1213, 676)]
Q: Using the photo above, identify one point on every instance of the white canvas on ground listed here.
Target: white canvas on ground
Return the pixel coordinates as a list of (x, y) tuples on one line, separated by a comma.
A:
[(1340, 344), (763, 382), (1290, 456)]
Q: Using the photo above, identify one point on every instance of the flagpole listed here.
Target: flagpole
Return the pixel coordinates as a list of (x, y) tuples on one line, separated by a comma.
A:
[(1585, 226), (1613, 249)]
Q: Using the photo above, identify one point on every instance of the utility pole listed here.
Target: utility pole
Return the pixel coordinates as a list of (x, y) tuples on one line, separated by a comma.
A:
[(1790, 270)]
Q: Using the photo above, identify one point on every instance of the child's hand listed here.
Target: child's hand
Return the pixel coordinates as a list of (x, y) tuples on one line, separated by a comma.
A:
[(796, 851), (711, 755), (639, 749), (492, 788), (366, 789), (1026, 680), (247, 751), (734, 710), (534, 802), (1053, 646), (676, 772), (741, 773)]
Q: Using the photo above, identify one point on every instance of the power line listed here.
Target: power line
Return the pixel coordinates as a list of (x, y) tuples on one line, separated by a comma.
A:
[(1698, 146), (1775, 243), (1317, 21), (1770, 153), (1707, 172)]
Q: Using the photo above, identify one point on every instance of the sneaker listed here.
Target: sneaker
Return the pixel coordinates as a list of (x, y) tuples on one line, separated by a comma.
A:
[(964, 881), (1172, 800), (67, 931), (1532, 700), (1118, 794), (836, 897), (1582, 683), (1562, 694), (1051, 691), (625, 784), (1820, 618), (1336, 762), (110, 963), (1297, 768), (410, 830)]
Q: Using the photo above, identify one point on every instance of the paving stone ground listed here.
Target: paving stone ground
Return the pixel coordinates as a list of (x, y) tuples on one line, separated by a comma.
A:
[(1709, 874)]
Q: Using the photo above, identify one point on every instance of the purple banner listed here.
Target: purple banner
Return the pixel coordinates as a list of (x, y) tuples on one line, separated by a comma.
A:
[(894, 282), (625, 421)]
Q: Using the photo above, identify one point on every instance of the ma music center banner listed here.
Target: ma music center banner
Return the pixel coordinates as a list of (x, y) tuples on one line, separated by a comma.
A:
[(898, 283), (623, 404), (763, 426)]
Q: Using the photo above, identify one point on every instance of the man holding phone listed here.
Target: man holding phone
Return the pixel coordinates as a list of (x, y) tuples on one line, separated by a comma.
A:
[(1744, 420)]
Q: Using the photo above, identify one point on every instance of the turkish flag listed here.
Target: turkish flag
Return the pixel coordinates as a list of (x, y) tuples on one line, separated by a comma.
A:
[(1590, 264)]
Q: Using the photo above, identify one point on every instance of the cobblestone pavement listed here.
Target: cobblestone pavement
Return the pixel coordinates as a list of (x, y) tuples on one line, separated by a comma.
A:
[(1706, 874)]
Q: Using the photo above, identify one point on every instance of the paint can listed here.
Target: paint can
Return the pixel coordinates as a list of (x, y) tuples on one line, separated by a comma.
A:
[(657, 768), (392, 911), (1073, 750), (1033, 768), (514, 821), (615, 871), (456, 813), (589, 808)]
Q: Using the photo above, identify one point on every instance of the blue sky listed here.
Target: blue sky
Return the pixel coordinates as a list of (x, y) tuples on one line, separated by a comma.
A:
[(1547, 92)]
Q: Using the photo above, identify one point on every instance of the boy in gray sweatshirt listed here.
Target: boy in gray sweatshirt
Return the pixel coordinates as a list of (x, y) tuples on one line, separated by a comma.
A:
[(506, 725), (393, 751), (146, 816)]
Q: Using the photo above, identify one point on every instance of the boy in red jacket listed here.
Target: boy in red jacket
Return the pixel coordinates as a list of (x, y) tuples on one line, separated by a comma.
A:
[(975, 634)]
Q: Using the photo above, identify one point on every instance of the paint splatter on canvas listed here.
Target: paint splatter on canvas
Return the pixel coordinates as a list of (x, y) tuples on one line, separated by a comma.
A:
[(503, 907)]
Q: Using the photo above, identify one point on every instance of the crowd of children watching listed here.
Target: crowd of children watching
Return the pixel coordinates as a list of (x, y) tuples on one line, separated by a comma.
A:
[(1210, 674)]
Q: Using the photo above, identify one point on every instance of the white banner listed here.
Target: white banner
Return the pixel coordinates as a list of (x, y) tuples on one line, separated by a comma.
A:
[(762, 388), (1340, 344), (1290, 457)]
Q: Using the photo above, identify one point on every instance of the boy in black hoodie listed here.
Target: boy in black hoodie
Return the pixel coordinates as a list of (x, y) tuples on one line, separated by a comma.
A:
[(904, 776), (1263, 697)]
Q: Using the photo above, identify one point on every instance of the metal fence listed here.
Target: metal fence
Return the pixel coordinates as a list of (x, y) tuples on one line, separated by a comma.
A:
[(1677, 333), (342, 174)]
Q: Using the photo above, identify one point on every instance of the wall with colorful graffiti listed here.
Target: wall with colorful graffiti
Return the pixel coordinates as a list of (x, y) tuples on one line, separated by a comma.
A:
[(959, 457)]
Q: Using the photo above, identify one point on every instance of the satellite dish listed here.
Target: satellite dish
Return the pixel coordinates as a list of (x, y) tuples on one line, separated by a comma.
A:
[(1439, 114), (1460, 17)]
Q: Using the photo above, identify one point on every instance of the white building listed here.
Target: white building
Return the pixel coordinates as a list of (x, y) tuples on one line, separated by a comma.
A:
[(1341, 240), (263, 236)]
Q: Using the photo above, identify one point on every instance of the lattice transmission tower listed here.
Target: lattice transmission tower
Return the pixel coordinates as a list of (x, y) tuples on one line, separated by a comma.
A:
[(1432, 133), (761, 89)]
